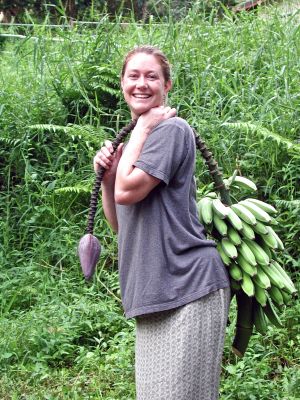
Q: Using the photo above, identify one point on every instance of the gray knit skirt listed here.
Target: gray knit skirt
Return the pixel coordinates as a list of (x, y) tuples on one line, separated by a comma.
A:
[(178, 352)]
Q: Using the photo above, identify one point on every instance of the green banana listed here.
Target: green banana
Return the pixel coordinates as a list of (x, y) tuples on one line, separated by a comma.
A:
[(259, 214), (235, 220), (277, 238), (259, 319), (274, 276), (231, 179), (262, 279), (266, 249), (212, 195), (246, 252), (229, 248), (199, 213), (226, 183), (205, 210), (226, 260), (260, 255), (260, 228), (289, 285), (264, 206), (235, 272), (286, 297), (244, 213), (274, 221), (233, 236), (242, 182), (247, 231), (247, 285), (219, 208), (248, 268), (270, 312), (220, 225), (276, 295), (260, 295), (270, 241)]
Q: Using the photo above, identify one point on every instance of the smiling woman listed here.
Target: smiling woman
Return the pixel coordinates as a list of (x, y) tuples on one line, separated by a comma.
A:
[(143, 83), (171, 276), (144, 89)]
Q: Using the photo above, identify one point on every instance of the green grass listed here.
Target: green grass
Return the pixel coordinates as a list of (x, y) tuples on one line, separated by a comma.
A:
[(236, 80)]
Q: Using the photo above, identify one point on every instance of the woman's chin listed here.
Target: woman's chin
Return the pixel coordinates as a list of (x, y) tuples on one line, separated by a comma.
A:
[(137, 111)]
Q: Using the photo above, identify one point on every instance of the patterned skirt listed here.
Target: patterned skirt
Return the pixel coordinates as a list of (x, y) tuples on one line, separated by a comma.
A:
[(178, 352)]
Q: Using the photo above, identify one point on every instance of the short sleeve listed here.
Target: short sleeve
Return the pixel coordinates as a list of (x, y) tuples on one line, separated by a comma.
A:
[(164, 151)]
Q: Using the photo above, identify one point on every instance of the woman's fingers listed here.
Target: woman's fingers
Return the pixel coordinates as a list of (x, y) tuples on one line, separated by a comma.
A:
[(155, 115), (171, 112), (167, 112), (109, 146), (104, 157)]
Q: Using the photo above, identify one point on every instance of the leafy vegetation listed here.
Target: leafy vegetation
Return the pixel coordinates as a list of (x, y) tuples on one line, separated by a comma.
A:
[(236, 80), (62, 10)]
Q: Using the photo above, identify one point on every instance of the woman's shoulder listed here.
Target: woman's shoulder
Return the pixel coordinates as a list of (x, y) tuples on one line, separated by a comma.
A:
[(178, 122), (176, 129)]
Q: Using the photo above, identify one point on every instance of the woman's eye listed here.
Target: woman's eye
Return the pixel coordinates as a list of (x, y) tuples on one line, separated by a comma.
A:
[(133, 76), (152, 76)]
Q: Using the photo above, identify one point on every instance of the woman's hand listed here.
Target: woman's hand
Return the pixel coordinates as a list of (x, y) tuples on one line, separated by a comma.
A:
[(104, 158), (151, 118)]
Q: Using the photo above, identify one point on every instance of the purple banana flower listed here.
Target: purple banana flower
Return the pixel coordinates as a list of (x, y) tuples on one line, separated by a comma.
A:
[(89, 250)]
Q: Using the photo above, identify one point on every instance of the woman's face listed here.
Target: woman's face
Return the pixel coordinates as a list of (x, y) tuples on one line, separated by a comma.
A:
[(143, 84)]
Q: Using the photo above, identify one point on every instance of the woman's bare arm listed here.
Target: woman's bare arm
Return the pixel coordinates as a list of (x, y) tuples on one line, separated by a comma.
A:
[(105, 158), (133, 184), (109, 206)]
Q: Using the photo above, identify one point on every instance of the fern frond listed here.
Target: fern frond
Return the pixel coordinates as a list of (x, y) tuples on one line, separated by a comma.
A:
[(105, 79), (9, 141), (105, 88), (50, 128), (86, 132), (260, 130), (77, 189), (288, 204)]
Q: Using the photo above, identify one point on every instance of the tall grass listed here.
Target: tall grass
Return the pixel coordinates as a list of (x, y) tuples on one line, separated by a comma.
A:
[(236, 80)]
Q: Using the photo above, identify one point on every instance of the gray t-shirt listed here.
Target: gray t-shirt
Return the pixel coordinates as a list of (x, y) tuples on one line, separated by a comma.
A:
[(165, 260)]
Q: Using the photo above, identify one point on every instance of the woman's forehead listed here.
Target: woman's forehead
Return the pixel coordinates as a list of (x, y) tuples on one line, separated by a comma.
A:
[(143, 61)]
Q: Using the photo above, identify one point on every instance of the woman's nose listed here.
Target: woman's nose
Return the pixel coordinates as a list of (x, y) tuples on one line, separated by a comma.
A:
[(142, 82)]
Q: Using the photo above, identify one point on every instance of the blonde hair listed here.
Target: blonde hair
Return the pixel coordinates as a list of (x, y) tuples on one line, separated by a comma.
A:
[(152, 50)]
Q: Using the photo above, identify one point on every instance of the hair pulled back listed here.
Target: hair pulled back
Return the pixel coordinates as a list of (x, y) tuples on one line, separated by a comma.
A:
[(151, 50)]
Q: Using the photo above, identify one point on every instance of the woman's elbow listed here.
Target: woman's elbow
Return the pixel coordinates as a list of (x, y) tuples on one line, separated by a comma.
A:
[(125, 198)]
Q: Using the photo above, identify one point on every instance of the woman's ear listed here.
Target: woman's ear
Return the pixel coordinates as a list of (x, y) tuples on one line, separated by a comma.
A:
[(168, 86)]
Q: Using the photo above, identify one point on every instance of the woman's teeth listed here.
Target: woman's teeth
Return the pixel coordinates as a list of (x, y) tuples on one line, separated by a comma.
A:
[(141, 96)]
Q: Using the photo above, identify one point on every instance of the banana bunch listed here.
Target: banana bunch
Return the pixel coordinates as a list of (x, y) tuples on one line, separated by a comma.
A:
[(247, 243)]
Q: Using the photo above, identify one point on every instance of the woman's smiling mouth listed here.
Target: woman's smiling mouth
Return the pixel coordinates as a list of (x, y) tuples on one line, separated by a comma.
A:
[(141, 96)]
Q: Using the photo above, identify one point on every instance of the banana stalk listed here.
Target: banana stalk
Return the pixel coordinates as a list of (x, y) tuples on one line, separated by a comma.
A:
[(213, 169), (244, 324)]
